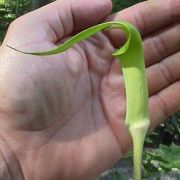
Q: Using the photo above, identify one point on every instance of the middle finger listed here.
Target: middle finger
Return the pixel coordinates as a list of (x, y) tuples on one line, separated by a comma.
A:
[(161, 44)]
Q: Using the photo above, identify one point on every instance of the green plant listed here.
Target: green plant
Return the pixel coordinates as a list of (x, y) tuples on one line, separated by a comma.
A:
[(130, 56), (10, 10), (161, 160)]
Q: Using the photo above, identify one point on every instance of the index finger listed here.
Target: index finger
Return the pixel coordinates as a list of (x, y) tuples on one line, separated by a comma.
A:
[(148, 16)]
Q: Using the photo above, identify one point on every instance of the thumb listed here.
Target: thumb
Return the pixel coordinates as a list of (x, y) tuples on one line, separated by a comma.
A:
[(58, 19)]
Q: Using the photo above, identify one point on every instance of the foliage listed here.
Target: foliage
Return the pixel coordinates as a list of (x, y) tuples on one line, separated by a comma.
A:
[(159, 163), (161, 160), (11, 9), (167, 132)]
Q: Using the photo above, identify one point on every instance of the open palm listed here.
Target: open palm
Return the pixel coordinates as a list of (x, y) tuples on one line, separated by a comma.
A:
[(62, 116)]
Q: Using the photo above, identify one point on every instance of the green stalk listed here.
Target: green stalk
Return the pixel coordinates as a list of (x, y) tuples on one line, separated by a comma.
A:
[(131, 59), (137, 119)]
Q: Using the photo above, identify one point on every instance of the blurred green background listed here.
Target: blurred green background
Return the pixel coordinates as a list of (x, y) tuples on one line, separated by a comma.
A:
[(164, 137)]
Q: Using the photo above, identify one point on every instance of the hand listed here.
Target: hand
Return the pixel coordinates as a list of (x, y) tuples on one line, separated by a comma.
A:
[(62, 116)]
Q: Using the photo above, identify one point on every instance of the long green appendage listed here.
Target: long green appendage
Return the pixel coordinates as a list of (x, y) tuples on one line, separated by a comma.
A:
[(131, 59)]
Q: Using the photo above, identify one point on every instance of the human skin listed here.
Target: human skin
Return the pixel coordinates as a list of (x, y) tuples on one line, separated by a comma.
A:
[(62, 116)]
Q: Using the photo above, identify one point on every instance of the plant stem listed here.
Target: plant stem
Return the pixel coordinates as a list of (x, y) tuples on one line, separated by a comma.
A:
[(138, 134)]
